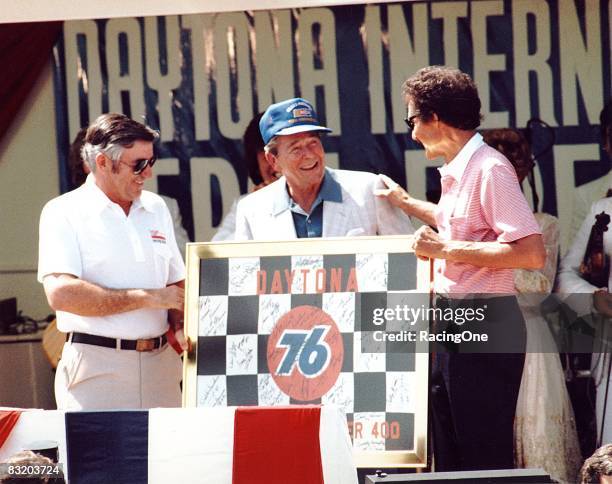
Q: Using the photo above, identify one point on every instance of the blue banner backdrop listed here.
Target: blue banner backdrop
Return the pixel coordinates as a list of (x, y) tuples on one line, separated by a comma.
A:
[(199, 79)]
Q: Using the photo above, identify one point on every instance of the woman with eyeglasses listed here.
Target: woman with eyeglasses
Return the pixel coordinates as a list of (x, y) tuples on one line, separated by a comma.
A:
[(478, 233)]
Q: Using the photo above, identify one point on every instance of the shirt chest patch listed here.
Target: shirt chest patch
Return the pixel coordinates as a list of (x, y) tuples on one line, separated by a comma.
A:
[(157, 236)]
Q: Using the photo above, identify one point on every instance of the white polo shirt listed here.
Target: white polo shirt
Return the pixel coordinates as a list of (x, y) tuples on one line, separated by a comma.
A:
[(84, 234)]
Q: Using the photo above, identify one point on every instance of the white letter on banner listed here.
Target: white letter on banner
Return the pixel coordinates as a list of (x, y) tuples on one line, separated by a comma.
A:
[(524, 62), (373, 47), (565, 157), (233, 65), (485, 63), (579, 61), (405, 56), (201, 53), (202, 169), (274, 48), (133, 80), (163, 167), (90, 79), (450, 12), (327, 76), (163, 83)]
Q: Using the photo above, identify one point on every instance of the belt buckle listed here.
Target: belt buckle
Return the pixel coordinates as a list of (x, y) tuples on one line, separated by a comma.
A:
[(145, 345)]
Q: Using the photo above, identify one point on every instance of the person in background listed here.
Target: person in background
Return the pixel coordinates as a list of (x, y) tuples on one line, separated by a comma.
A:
[(259, 170), (77, 168), (584, 195), (30, 468), (544, 427), (597, 469), (310, 200), (589, 296), (484, 230), (110, 267)]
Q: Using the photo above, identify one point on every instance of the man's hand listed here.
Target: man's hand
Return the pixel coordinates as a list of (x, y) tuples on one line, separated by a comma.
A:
[(394, 193), (400, 198), (66, 292), (170, 297), (602, 300), (176, 338), (182, 340), (427, 243)]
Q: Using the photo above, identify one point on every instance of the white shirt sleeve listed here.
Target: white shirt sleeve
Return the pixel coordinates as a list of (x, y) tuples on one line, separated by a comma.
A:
[(243, 230), (570, 280), (180, 234), (176, 270), (227, 229), (58, 245)]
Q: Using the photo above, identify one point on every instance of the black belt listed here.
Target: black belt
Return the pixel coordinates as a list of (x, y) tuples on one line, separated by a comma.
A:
[(149, 344)]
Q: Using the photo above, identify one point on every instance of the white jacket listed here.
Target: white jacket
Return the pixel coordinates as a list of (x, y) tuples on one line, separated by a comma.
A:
[(360, 213)]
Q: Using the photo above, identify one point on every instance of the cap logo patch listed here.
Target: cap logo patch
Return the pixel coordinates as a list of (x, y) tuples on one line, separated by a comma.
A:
[(297, 114), (301, 113)]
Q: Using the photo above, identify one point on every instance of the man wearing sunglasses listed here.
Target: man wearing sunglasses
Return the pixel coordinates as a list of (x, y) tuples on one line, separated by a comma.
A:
[(111, 269)]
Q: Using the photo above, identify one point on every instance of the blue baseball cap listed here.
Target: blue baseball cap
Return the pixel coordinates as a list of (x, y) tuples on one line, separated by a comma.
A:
[(289, 117)]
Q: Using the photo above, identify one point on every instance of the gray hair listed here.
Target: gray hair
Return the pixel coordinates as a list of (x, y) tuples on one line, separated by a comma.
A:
[(89, 153), (272, 146), (109, 134)]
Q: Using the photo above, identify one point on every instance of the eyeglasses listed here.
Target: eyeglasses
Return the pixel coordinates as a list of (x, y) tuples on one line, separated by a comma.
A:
[(410, 121), (140, 165)]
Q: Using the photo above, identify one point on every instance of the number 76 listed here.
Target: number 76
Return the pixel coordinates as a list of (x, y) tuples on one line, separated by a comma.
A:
[(306, 348)]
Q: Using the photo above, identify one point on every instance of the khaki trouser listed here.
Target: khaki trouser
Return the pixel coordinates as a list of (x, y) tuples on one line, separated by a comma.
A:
[(94, 377)]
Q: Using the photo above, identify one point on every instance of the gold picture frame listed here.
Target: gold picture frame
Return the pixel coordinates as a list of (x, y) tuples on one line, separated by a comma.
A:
[(368, 249)]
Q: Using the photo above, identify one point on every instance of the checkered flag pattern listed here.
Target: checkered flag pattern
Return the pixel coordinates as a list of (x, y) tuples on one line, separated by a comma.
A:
[(242, 299)]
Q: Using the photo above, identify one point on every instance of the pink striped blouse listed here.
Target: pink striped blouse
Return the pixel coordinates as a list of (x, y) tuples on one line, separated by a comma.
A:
[(481, 201)]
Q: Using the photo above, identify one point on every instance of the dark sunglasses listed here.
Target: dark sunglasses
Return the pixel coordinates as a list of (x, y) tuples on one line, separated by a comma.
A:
[(141, 165), (410, 121)]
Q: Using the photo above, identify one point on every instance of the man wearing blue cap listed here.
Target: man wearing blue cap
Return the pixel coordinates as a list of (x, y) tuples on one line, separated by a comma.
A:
[(310, 200)]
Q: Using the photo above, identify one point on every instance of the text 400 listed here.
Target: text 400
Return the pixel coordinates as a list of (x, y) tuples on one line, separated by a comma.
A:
[(384, 429)]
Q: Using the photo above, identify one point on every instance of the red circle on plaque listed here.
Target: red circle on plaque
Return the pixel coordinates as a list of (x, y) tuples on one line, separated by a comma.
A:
[(305, 353)]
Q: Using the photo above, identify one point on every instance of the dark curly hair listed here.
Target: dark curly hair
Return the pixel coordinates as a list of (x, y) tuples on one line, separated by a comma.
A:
[(447, 92), (513, 145), (253, 144), (75, 160)]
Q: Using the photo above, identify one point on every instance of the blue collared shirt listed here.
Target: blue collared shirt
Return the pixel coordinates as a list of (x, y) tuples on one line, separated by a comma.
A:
[(308, 225)]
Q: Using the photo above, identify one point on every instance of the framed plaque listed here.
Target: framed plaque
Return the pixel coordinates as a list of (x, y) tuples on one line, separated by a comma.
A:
[(321, 321)]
